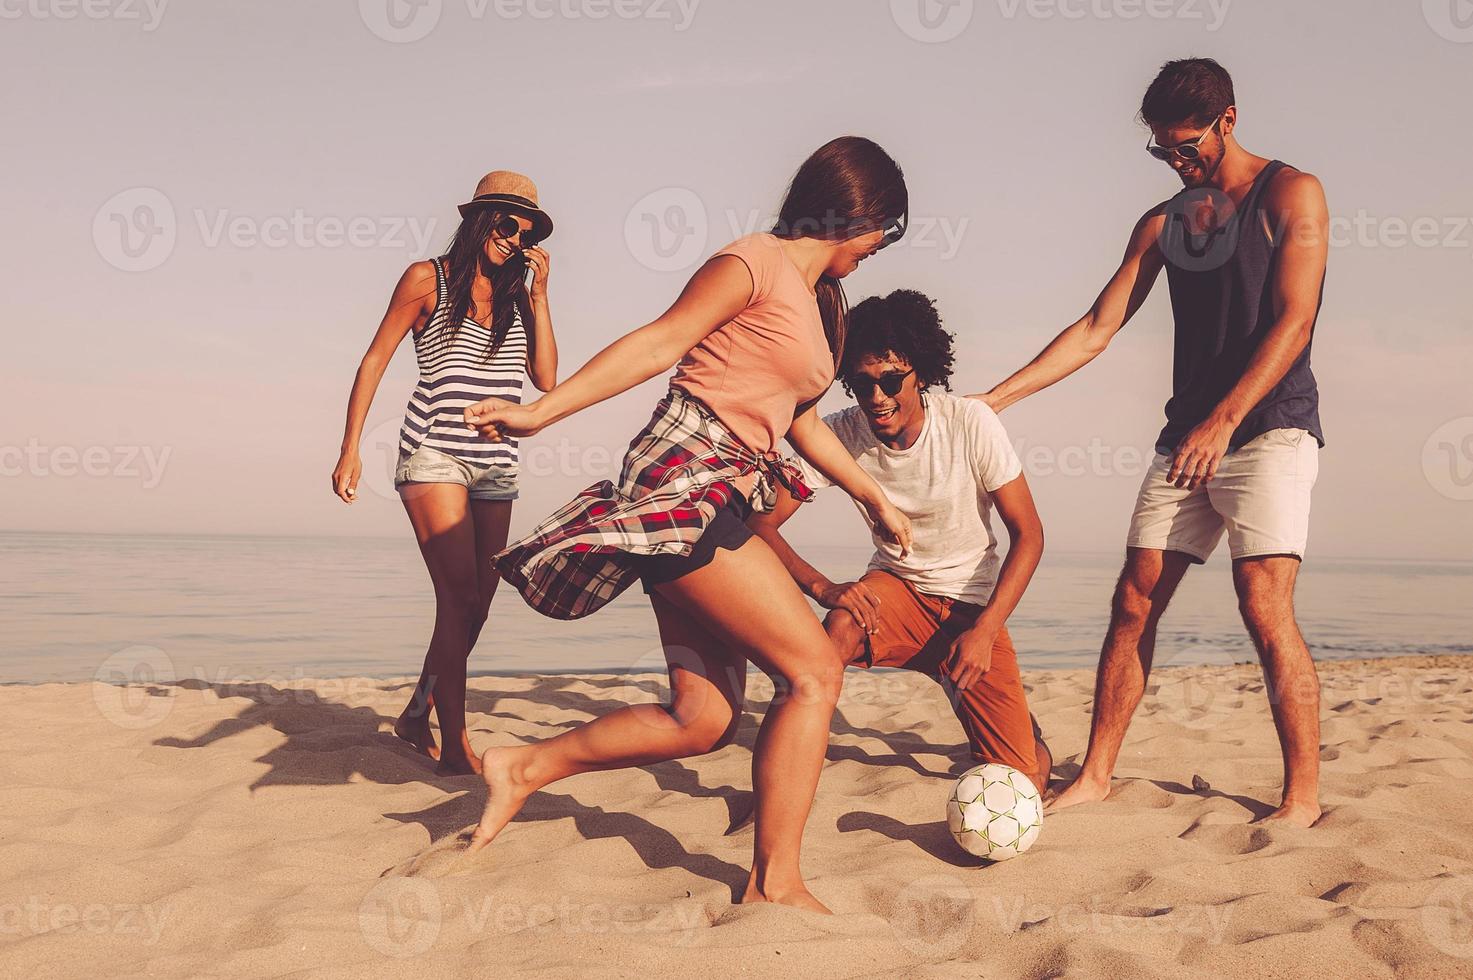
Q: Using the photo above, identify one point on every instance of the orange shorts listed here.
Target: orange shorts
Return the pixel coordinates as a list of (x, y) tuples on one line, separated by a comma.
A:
[(916, 631)]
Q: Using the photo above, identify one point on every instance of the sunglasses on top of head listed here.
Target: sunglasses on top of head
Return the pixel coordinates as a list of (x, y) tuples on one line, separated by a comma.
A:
[(1190, 150), (864, 386)]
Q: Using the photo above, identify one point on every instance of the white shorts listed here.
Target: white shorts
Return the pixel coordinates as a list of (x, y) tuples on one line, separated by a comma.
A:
[(1259, 497)]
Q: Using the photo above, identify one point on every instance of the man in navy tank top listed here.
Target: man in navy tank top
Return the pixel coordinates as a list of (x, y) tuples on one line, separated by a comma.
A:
[(1244, 246)]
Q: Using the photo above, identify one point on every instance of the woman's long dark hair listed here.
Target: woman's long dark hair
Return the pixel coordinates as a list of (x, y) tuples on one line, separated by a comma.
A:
[(464, 259), (848, 187)]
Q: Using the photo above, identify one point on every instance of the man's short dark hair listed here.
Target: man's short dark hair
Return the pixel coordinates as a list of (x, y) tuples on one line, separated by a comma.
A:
[(904, 323), (1190, 92)]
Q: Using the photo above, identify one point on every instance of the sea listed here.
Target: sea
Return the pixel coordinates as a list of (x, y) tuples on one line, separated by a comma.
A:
[(227, 609)]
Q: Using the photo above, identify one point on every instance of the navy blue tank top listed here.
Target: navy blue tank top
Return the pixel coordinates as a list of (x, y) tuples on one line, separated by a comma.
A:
[(1222, 277)]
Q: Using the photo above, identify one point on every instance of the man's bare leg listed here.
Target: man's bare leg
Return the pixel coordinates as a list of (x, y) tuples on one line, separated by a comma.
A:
[(1265, 589), (1146, 585)]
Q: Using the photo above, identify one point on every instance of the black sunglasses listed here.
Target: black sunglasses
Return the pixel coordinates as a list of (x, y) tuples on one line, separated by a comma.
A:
[(864, 386), (895, 230), (1190, 150), (507, 227)]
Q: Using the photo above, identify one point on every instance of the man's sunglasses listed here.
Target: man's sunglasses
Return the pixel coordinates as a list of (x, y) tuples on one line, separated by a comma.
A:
[(895, 230), (864, 386), (1190, 150), (506, 227)]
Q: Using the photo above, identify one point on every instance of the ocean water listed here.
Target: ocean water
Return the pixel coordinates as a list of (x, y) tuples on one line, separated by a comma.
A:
[(241, 608)]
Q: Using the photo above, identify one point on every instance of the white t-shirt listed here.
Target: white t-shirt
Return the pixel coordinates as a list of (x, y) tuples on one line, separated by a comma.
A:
[(944, 484)]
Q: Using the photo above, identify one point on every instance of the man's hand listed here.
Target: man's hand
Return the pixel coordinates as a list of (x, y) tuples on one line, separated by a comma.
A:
[(854, 598), (971, 654), (991, 399), (1200, 453)]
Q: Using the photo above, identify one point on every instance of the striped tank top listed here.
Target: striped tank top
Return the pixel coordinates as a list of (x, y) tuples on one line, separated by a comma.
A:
[(455, 375)]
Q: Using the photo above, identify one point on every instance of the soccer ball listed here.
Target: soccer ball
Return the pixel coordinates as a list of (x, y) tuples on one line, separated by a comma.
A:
[(994, 812)]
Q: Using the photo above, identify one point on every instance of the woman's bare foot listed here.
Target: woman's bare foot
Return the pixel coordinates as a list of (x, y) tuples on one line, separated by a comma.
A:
[(507, 789), (798, 897), (457, 758), (416, 731), (1293, 814), (1082, 790)]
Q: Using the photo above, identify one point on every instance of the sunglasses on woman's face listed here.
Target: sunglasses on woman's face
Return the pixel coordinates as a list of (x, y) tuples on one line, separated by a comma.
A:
[(1190, 150), (507, 228), (864, 386)]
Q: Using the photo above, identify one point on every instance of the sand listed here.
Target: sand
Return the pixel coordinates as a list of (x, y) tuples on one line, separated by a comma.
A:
[(190, 829)]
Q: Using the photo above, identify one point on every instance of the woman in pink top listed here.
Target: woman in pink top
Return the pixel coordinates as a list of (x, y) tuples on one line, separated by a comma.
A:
[(756, 334)]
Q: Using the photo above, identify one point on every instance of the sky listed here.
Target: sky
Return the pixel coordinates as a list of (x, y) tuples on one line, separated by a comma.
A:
[(208, 205)]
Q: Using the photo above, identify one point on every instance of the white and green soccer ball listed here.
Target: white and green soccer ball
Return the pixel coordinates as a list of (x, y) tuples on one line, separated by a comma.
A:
[(994, 812)]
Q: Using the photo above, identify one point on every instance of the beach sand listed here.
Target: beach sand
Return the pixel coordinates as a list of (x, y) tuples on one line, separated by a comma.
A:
[(189, 829)]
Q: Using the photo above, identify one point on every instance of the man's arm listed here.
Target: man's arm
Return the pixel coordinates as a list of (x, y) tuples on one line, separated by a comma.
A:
[(971, 653), (1084, 340), (861, 603), (1295, 203)]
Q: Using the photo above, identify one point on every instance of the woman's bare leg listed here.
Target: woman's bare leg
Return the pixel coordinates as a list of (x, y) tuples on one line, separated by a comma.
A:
[(707, 684), (743, 600), (446, 530), (492, 518)]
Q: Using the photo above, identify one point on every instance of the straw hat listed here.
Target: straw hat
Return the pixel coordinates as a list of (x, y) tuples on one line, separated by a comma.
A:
[(514, 193)]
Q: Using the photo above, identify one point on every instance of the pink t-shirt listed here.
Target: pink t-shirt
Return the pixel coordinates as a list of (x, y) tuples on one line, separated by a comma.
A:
[(772, 357)]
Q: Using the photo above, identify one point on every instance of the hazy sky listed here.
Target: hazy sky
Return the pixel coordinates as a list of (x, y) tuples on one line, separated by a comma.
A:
[(208, 204)]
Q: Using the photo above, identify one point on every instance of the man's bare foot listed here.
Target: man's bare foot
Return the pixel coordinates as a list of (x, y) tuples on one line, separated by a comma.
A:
[(1293, 814), (416, 731), (1082, 790), (797, 897), (507, 789)]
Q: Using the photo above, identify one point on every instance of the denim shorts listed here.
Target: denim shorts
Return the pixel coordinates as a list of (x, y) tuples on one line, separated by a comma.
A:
[(482, 481)]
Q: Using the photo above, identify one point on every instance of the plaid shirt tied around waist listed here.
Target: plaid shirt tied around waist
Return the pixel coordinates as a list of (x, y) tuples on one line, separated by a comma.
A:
[(677, 474)]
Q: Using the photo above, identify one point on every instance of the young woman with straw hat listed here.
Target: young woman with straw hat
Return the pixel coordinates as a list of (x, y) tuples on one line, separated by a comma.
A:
[(478, 331)]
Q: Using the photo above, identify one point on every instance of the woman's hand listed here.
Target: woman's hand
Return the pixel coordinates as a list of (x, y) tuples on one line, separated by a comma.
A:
[(498, 419), (892, 524), (541, 265), (345, 476)]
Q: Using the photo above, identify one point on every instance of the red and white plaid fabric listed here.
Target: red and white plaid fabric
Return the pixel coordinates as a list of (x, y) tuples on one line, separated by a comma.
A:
[(677, 474)]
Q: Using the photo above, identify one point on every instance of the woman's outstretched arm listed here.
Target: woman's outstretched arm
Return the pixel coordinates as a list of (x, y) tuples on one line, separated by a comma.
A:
[(720, 290)]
